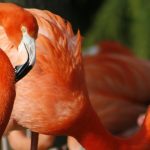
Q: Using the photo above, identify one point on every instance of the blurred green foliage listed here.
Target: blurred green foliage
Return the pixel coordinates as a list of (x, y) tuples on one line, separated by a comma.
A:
[(126, 21)]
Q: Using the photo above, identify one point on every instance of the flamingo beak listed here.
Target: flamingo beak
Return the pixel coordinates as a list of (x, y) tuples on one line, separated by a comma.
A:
[(27, 49)]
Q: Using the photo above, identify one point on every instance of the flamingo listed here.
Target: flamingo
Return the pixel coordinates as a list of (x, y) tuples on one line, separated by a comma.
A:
[(136, 108), (65, 109), (109, 110), (20, 35)]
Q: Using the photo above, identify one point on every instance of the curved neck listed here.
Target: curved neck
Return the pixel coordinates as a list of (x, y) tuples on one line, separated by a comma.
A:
[(92, 135)]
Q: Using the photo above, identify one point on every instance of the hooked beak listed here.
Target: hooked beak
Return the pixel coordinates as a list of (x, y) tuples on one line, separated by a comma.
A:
[(27, 47)]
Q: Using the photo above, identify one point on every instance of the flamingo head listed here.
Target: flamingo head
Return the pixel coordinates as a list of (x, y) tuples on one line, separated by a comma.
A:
[(21, 29)]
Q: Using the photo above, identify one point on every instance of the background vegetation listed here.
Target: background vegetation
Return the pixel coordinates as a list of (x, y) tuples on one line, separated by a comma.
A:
[(126, 21)]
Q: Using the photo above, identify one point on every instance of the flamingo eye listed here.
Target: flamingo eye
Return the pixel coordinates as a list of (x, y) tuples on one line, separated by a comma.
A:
[(23, 29)]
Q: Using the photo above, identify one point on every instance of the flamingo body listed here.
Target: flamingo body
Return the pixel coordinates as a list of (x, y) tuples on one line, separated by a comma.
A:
[(42, 72), (7, 90), (46, 74)]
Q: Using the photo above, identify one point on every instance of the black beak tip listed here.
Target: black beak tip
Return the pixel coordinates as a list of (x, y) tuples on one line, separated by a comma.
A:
[(21, 71)]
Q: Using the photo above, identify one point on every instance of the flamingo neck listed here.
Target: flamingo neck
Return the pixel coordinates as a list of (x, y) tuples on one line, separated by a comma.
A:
[(92, 135)]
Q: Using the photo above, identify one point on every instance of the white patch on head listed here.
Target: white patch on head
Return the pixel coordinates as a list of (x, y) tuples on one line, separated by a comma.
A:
[(93, 50), (27, 44)]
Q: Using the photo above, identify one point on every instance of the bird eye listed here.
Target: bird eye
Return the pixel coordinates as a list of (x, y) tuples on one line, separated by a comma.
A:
[(23, 29)]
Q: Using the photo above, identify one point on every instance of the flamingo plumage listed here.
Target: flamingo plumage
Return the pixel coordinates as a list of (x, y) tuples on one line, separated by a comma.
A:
[(115, 107), (65, 109), (110, 111), (7, 90)]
